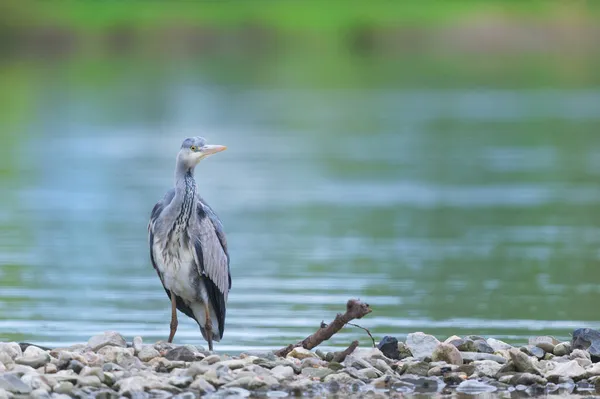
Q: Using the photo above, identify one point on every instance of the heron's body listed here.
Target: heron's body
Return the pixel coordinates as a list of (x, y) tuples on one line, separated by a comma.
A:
[(188, 249)]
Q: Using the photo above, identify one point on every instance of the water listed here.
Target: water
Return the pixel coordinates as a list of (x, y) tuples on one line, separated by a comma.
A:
[(449, 212)]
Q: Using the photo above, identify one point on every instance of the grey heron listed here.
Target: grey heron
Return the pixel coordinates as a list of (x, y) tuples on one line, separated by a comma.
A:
[(188, 248)]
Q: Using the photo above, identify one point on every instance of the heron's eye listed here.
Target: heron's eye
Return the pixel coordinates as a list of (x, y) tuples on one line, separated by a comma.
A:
[(193, 148)]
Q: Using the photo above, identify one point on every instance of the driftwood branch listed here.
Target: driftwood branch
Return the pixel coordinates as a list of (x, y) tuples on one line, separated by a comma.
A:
[(340, 356), (355, 309), (367, 330)]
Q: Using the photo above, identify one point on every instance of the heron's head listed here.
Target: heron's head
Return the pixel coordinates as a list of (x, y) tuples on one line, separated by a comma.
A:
[(195, 149)]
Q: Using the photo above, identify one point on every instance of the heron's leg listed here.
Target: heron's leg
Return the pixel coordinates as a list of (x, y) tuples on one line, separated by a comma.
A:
[(208, 327), (173, 317)]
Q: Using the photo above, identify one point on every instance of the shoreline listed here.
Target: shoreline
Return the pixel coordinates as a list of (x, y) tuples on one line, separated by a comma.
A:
[(109, 367)]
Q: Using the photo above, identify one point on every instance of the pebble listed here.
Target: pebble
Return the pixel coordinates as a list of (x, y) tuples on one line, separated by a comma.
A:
[(447, 353), (137, 344), (421, 345), (497, 345), (389, 347), (108, 338), (165, 370)]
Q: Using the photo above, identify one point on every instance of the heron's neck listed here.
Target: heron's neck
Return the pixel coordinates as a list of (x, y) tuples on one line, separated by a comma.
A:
[(185, 197)]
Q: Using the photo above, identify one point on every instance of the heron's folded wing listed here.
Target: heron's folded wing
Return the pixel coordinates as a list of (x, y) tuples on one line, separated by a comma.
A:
[(213, 264)]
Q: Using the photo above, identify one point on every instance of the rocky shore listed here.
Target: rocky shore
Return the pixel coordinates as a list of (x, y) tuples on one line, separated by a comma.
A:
[(109, 367)]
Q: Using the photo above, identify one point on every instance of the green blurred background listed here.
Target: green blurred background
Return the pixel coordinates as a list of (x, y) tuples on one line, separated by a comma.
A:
[(438, 159)]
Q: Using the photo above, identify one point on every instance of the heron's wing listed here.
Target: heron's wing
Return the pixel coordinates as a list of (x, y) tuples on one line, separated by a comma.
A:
[(218, 226), (152, 231), (213, 262)]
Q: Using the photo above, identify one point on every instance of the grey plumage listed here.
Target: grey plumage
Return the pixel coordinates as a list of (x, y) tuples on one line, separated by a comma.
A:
[(188, 247)]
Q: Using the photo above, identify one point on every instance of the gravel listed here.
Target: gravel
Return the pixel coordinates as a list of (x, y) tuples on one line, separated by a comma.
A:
[(109, 367)]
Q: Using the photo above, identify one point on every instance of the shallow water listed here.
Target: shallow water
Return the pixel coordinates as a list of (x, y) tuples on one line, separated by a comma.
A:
[(449, 212)]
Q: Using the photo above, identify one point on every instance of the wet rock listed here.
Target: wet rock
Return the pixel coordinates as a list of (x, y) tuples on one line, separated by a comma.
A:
[(108, 338), (546, 343), (472, 356), (454, 379), (486, 368), (421, 345), (523, 363), (182, 353), (11, 383), (533, 351), (447, 353), (389, 347), (147, 353), (562, 349), (474, 387), (468, 369), (527, 379), (137, 344), (11, 350), (301, 353), (497, 345), (463, 344), (417, 368), (482, 346), (570, 369)]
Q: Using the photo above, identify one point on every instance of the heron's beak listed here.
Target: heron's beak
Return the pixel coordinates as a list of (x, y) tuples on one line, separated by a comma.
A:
[(213, 149)]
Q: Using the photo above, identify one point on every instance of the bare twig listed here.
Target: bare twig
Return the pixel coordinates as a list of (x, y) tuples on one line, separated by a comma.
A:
[(367, 330), (355, 309), (340, 356)]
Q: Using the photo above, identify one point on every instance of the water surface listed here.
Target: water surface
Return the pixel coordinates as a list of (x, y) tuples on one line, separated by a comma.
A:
[(449, 212)]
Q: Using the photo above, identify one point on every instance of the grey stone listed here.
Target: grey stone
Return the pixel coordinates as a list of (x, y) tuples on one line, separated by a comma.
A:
[(570, 369), (579, 353), (496, 344), (527, 379), (212, 359), (89, 381), (592, 371), (137, 344), (583, 362), (96, 371), (202, 386), (367, 374), (147, 353), (421, 345), (447, 353), (417, 368), (34, 361), (180, 381), (482, 346), (11, 383), (562, 349), (546, 343), (35, 381), (39, 393), (523, 363), (181, 353), (233, 364), (33, 350), (197, 368), (108, 338), (75, 365), (486, 368), (11, 349), (454, 378), (389, 347), (234, 392), (472, 356), (63, 387), (474, 387), (282, 372), (533, 351), (341, 378)]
